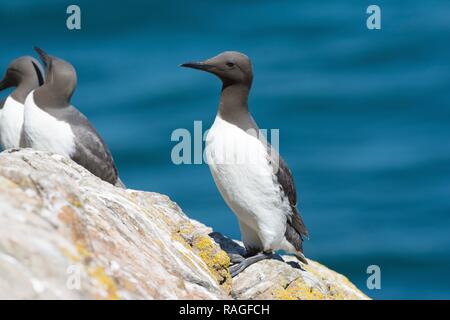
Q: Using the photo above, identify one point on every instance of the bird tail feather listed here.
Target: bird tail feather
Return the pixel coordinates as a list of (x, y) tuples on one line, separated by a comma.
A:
[(301, 257)]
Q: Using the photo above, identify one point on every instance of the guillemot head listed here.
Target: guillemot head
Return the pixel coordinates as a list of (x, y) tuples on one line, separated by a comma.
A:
[(59, 84), (230, 66), (25, 75)]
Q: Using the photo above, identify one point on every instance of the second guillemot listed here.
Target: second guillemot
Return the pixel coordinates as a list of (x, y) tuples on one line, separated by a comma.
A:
[(25, 74), (261, 193), (52, 124)]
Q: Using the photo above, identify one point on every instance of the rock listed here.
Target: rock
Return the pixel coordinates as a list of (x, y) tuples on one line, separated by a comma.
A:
[(285, 278), (65, 234)]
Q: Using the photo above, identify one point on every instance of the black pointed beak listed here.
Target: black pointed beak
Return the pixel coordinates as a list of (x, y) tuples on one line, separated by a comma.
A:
[(197, 65), (5, 84), (43, 55)]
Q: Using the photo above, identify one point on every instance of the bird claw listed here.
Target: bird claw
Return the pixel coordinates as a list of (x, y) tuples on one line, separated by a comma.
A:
[(236, 258), (247, 262)]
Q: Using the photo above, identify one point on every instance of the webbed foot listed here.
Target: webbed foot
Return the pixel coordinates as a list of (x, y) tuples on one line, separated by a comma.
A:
[(247, 262)]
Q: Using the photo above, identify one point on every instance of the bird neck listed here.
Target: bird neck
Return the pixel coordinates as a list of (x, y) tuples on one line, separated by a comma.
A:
[(52, 95), (23, 89), (234, 102)]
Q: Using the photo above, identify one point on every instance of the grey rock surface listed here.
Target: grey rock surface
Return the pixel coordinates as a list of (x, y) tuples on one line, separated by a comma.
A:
[(65, 234)]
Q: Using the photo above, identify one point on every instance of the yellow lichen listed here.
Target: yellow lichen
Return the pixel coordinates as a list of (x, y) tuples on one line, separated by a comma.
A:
[(99, 274), (69, 255), (73, 200), (186, 230), (82, 250), (179, 238), (298, 290), (336, 283), (84, 254), (217, 260), (163, 217), (7, 184)]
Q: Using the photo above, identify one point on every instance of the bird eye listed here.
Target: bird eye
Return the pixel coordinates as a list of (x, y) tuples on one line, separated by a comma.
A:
[(230, 64)]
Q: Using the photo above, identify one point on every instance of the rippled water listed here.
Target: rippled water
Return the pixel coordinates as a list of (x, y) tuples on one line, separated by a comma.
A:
[(364, 115)]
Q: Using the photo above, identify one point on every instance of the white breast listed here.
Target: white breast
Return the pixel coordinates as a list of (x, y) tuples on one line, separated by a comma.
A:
[(44, 132), (249, 187), (11, 120)]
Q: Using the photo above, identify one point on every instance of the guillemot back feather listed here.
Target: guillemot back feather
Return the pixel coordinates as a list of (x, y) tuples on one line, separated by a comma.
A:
[(52, 123), (91, 150)]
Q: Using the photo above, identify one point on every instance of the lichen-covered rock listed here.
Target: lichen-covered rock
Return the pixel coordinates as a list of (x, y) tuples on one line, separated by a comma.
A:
[(285, 278), (65, 234), (274, 279)]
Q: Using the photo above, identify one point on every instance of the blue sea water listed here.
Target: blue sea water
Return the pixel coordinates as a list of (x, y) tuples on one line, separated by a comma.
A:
[(364, 116)]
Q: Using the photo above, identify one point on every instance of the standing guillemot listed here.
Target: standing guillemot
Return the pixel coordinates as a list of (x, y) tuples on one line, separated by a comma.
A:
[(25, 75), (52, 124), (261, 193)]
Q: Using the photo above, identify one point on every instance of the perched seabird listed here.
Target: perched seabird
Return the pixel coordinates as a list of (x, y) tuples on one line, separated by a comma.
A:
[(258, 188), (52, 124), (25, 75)]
